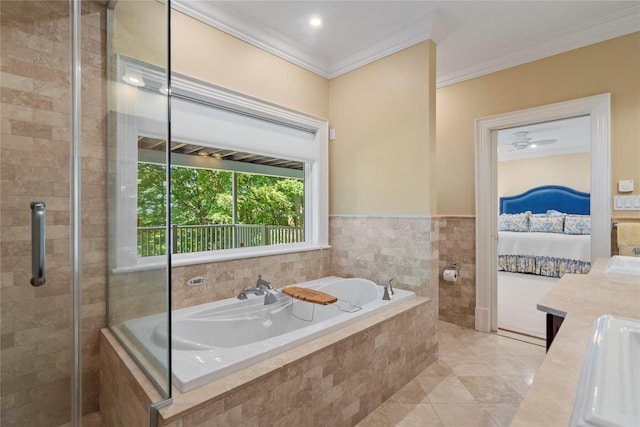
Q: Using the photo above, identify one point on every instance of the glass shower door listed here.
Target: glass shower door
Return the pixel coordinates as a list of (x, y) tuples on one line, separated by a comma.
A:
[(53, 210), (138, 280)]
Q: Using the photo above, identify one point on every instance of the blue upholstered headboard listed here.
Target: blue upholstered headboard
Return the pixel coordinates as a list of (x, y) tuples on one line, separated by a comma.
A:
[(541, 199)]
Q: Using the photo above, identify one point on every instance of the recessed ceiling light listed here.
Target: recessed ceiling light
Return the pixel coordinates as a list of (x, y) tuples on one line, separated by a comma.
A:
[(133, 77), (315, 21)]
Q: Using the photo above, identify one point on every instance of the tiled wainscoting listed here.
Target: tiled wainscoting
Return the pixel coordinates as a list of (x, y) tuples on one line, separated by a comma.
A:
[(380, 248), (457, 300), (333, 380), (225, 279)]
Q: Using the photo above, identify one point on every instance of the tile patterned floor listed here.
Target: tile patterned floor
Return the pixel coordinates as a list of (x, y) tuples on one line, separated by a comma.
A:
[(479, 380)]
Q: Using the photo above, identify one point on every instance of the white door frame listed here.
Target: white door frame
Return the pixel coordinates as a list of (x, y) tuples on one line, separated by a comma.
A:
[(598, 107)]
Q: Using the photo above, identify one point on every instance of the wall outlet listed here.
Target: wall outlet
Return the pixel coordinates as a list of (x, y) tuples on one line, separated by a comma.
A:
[(625, 186)]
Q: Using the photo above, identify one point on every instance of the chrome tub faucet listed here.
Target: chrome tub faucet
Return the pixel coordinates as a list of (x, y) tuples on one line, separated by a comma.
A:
[(255, 291), (261, 283), (262, 288), (388, 291)]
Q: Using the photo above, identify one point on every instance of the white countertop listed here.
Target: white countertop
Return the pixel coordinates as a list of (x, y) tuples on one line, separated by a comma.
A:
[(581, 299)]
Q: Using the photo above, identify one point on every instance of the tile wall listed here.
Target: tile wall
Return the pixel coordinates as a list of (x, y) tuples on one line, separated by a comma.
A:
[(34, 165), (226, 279), (457, 244), (383, 247)]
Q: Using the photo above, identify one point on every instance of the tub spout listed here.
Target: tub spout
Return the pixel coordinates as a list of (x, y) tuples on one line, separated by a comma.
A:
[(261, 283), (388, 291), (255, 291)]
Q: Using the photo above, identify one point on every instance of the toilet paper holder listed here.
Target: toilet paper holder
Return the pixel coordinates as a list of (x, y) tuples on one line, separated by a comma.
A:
[(453, 266)]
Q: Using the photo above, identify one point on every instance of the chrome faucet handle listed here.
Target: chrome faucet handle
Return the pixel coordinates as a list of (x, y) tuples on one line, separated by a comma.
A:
[(270, 298), (390, 287), (387, 296), (255, 291), (388, 291)]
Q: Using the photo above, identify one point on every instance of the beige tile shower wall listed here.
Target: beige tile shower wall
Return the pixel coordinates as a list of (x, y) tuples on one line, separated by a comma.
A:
[(136, 294), (225, 279), (35, 137), (457, 244), (379, 248), (94, 197)]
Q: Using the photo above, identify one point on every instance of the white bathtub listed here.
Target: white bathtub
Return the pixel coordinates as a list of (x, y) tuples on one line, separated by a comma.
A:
[(215, 339)]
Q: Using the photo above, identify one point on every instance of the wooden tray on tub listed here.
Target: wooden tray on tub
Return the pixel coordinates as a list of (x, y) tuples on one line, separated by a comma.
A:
[(309, 295)]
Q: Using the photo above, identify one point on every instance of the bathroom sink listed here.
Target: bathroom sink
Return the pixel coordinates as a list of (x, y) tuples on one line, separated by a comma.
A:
[(624, 268), (608, 391)]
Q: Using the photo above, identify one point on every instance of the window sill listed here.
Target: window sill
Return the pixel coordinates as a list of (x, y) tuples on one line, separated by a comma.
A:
[(181, 260)]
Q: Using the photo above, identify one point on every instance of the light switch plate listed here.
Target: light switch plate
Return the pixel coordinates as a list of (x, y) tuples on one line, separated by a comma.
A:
[(626, 203)]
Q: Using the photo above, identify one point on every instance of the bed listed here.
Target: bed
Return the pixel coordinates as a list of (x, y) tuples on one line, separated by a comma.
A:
[(545, 231)]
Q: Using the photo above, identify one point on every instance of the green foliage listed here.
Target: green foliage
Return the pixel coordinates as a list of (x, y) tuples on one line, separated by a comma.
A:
[(151, 195), (204, 196)]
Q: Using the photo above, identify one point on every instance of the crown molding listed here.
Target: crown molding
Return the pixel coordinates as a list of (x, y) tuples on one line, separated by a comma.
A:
[(609, 27), (432, 26), (252, 32)]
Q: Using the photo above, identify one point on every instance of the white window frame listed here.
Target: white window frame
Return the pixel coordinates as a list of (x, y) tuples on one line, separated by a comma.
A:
[(142, 111)]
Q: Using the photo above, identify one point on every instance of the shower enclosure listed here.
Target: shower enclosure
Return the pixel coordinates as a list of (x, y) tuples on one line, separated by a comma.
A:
[(62, 99)]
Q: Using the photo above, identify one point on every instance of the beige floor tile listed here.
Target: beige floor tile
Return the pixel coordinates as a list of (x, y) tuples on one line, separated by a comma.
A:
[(436, 369), (407, 415), (501, 413), (519, 383), (448, 390), (511, 365), (490, 390), (465, 368), (411, 393), (375, 419), (478, 380), (470, 414)]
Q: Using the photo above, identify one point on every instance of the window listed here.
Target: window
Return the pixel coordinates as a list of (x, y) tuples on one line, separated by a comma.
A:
[(230, 200), (245, 147)]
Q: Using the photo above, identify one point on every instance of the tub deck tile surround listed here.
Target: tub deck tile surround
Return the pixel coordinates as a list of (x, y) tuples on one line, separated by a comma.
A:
[(333, 380), (125, 391)]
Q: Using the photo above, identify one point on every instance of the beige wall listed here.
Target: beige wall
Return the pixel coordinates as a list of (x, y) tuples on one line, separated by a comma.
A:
[(383, 114), (571, 170), (203, 52), (139, 31), (612, 66)]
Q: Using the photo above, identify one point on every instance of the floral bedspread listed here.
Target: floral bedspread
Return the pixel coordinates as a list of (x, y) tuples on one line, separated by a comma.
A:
[(541, 265)]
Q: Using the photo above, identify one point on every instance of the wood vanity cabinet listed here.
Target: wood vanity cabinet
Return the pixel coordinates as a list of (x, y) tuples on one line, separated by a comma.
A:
[(553, 325)]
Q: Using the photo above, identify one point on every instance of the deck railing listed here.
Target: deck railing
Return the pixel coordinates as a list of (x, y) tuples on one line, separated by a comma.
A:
[(198, 238)]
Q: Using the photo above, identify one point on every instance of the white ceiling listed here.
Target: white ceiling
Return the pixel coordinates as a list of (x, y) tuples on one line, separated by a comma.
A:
[(473, 37), (572, 136)]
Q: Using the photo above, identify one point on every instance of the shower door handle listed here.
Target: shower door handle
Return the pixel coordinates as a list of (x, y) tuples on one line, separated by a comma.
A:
[(38, 244)]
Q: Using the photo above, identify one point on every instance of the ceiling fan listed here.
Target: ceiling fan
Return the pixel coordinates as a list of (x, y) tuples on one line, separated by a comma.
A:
[(522, 141)]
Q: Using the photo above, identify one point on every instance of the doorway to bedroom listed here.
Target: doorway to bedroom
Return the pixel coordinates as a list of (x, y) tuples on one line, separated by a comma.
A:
[(536, 250), (598, 109)]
